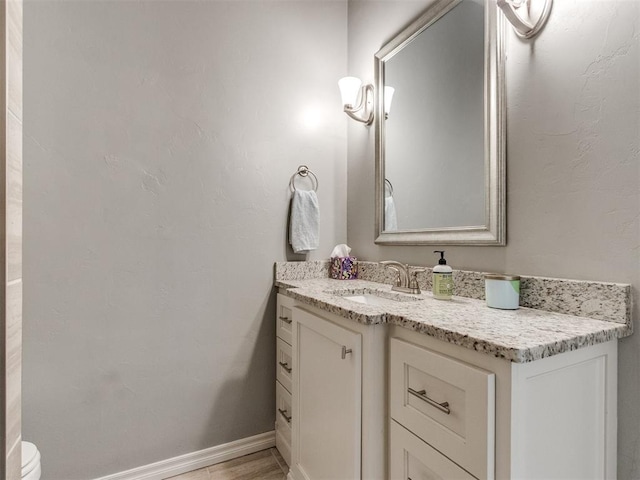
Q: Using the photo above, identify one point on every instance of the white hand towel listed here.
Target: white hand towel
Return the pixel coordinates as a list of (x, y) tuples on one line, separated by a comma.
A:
[(390, 216), (304, 226)]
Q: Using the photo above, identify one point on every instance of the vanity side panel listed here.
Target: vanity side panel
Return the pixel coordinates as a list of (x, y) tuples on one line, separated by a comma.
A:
[(564, 415)]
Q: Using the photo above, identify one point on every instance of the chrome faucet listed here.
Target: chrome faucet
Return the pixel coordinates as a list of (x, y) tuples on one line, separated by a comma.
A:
[(406, 276)]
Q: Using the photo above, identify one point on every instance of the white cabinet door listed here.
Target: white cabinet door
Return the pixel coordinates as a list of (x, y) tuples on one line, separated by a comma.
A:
[(327, 400)]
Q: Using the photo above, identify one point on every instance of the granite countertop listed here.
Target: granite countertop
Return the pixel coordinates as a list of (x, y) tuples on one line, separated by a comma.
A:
[(522, 335)]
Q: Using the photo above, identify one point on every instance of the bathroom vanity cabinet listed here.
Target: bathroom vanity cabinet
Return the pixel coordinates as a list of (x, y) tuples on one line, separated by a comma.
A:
[(378, 401)]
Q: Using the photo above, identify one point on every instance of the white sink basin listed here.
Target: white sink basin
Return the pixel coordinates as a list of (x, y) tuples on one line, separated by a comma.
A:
[(375, 297), (369, 299)]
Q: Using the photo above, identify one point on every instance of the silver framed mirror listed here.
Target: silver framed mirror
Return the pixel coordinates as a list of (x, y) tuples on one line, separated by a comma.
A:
[(440, 149)]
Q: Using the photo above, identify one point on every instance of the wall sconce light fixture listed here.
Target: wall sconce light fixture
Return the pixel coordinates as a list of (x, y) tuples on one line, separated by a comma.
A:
[(519, 13), (350, 89), (388, 95)]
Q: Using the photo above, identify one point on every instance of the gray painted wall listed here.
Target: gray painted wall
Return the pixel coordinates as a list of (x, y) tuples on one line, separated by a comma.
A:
[(159, 142), (573, 160)]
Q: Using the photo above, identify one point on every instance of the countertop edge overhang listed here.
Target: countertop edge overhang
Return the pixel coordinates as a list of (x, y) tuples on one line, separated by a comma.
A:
[(519, 336)]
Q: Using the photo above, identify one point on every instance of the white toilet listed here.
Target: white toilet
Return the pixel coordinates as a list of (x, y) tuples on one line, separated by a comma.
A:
[(30, 462)]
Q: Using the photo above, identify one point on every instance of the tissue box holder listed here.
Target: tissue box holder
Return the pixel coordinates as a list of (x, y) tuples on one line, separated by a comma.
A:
[(343, 268)]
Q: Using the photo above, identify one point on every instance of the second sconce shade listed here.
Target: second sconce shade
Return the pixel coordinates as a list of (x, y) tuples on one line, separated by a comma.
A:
[(351, 88)]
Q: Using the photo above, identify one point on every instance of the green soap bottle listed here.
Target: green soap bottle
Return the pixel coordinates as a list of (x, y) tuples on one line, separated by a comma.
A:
[(442, 278)]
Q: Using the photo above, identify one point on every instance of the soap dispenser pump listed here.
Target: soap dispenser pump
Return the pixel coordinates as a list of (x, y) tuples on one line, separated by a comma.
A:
[(442, 278)]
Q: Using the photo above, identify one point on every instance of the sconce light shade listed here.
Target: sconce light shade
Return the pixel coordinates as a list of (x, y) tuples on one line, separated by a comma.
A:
[(518, 12), (388, 95), (349, 88)]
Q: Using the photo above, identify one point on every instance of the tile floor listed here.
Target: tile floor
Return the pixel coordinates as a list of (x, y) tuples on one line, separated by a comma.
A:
[(264, 465)]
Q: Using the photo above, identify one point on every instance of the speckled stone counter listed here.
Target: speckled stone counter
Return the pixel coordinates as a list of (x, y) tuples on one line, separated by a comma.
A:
[(519, 336)]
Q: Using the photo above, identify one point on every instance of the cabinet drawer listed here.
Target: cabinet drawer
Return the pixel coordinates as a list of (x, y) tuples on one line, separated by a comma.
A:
[(411, 458), (284, 363), (283, 422), (284, 317), (447, 403)]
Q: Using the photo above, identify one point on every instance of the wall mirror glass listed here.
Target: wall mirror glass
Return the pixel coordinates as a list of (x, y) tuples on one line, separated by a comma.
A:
[(440, 149)]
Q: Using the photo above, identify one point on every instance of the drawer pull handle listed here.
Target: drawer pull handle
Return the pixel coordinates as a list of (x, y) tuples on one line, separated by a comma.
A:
[(284, 414), (422, 395), (285, 366), (285, 320), (345, 351)]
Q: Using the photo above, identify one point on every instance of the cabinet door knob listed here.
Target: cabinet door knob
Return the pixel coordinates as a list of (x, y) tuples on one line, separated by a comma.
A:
[(284, 414), (422, 395), (285, 366), (345, 351), (285, 319)]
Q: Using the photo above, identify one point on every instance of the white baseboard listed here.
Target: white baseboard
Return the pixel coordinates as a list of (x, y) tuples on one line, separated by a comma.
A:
[(193, 461)]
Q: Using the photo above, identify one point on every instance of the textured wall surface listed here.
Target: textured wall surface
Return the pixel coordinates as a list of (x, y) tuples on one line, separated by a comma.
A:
[(159, 142), (573, 161)]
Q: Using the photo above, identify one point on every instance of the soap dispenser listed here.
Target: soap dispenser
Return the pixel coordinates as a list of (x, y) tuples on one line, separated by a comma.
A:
[(442, 278)]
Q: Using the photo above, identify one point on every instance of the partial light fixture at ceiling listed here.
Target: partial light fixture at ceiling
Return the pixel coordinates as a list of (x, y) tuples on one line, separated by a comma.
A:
[(526, 21), (350, 89)]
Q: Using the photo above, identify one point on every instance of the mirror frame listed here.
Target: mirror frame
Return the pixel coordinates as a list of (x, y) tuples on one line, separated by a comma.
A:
[(494, 230)]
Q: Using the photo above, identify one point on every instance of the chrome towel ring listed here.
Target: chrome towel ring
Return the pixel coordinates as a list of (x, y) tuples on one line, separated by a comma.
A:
[(389, 187), (304, 171)]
